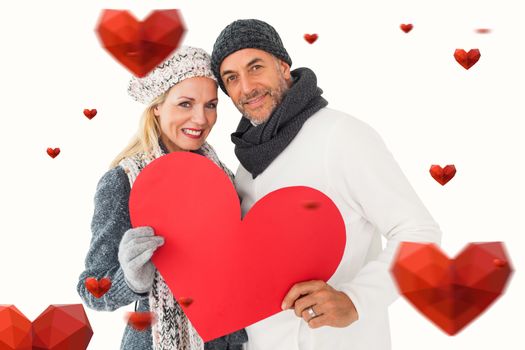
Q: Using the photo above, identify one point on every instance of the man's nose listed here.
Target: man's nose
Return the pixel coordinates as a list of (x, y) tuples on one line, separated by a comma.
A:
[(247, 85)]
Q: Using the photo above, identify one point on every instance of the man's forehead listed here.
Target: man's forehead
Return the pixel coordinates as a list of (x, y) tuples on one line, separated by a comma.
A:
[(241, 58)]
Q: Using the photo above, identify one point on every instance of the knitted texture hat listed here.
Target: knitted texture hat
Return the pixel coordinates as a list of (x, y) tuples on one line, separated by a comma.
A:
[(186, 62), (244, 34)]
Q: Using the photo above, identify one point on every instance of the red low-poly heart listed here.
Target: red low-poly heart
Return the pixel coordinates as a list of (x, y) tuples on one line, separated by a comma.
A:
[(140, 46), (311, 38), (467, 60), (236, 272), (90, 113), (53, 152), (451, 292), (98, 287), (59, 327), (15, 329), (442, 175), (406, 27)]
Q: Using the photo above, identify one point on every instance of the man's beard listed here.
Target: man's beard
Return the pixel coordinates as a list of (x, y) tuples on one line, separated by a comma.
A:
[(276, 95)]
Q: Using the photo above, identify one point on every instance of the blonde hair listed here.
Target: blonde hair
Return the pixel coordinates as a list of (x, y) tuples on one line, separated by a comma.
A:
[(147, 136)]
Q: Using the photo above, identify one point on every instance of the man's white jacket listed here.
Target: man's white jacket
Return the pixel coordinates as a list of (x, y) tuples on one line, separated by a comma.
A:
[(345, 159)]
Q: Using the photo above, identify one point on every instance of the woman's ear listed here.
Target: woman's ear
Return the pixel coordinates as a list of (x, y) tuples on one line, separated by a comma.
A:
[(156, 110)]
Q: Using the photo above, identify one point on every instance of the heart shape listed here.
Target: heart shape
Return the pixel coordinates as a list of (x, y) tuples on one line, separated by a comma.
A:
[(311, 38), (406, 27), (483, 30), (451, 293), (140, 321), (58, 327), (98, 287), (90, 113), (53, 152), (467, 60), (140, 46), (442, 175), (235, 272)]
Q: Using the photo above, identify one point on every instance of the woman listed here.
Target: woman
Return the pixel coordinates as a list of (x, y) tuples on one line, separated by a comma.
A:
[(181, 95)]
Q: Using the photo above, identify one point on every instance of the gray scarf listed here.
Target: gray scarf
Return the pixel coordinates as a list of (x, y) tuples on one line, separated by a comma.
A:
[(257, 146)]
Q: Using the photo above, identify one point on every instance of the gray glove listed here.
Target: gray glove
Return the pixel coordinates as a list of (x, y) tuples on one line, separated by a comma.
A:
[(134, 254)]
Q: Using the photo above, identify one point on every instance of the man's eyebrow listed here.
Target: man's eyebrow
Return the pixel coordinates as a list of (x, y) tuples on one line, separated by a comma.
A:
[(252, 62), (255, 60)]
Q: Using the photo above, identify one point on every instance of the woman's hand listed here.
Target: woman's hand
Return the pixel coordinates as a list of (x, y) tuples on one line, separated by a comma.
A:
[(135, 251)]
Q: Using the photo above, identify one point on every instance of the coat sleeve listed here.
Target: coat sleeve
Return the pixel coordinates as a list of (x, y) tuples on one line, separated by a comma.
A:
[(370, 181), (110, 222)]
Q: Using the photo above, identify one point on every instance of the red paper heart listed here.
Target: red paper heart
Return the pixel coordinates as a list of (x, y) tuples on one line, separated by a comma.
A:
[(53, 152), (451, 293), (406, 27), (59, 327), (236, 272), (311, 38), (443, 175), (467, 60), (98, 287), (140, 46), (140, 321), (90, 113)]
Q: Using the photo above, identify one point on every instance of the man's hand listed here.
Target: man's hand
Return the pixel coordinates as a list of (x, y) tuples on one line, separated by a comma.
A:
[(330, 307)]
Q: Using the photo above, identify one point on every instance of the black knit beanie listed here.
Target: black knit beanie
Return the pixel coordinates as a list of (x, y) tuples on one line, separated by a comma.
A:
[(246, 34)]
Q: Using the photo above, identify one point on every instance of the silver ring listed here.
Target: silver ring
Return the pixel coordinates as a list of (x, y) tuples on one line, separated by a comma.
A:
[(311, 312)]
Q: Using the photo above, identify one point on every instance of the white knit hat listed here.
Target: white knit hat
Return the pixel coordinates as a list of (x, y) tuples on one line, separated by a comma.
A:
[(186, 62)]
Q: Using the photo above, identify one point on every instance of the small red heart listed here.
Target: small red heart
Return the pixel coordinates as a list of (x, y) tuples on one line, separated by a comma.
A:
[(98, 287), (443, 175), (500, 263), (140, 46), (311, 204), (406, 27), (467, 60), (53, 152), (140, 321), (185, 302), (311, 38), (451, 292), (90, 113), (483, 30)]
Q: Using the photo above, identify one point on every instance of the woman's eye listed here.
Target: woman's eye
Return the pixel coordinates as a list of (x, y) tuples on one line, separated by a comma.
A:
[(212, 105), (185, 104)]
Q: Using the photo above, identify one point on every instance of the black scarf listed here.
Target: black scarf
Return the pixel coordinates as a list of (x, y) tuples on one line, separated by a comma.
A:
[(257, 146)]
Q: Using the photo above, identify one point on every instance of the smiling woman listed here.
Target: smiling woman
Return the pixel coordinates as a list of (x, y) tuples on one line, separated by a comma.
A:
[(181, 98), (188, 113)]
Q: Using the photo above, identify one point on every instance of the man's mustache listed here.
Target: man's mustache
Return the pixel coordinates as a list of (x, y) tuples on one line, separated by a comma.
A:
[(254, 94)]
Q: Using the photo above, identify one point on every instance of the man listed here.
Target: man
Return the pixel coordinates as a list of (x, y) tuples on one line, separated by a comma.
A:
[(288, 137)]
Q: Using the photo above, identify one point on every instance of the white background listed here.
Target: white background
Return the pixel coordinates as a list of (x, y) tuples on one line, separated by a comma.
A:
[(428, 109)]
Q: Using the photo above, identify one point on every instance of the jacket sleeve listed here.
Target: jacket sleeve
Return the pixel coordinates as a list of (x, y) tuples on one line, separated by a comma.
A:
[(110, 222), (369, 180)]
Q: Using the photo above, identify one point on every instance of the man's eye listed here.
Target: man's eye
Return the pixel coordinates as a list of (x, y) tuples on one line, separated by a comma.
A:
[(256, 67), (231, 78)]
